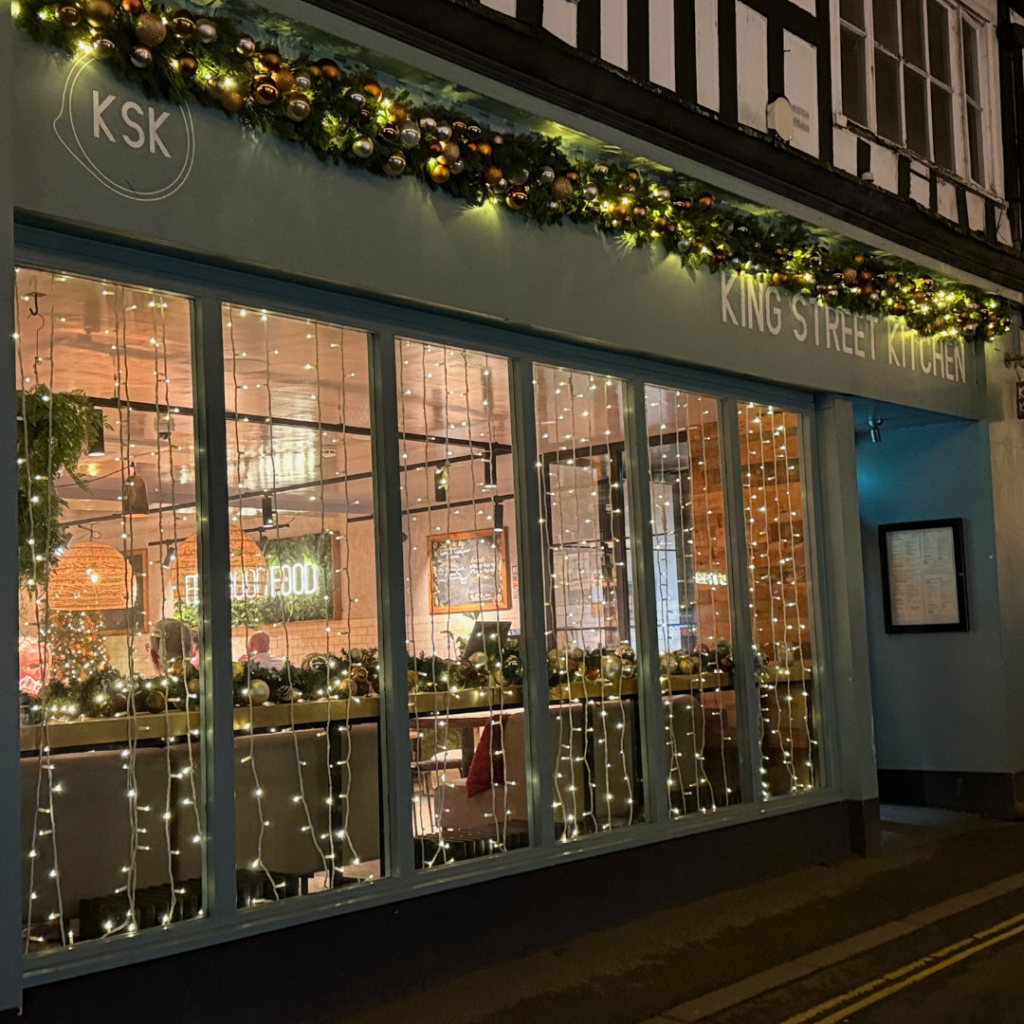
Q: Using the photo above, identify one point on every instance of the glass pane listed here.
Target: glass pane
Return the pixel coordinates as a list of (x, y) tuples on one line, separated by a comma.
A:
[(779, 610), (887, 31), (887, 96), (691, 580), (915, 90), (938, 41), (942, 127), (590, 629), (466, 726), (303, 605), (852, 11), (975, 144), (913, 32), (855, 99), (972, 78), (110, 813)]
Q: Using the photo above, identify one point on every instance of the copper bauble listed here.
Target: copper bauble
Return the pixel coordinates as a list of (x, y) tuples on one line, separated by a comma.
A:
[(473, 130), (187, 65), (264, 92), (561, 188), (849, 277), (394, 165), (103, 48), (98, 12), (232, 101), (284, 80), (482, 148), (132, 7), (150, 29), (296, 106), (182, 24), (399, 114), (329, 69), (270, 59), (439, 173), (705, 200), (517, 197), (459, 126), (69, 15), (372, 88), (492, 175)]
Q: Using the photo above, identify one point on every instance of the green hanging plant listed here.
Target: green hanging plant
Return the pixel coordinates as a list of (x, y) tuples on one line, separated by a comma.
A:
[(54, 429)]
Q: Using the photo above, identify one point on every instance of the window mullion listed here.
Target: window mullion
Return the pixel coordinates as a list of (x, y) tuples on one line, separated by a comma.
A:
[(396, 779), (214, 560)]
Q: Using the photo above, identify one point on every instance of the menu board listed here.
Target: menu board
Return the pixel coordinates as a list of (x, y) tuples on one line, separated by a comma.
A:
[(469, 572), (924, 580)]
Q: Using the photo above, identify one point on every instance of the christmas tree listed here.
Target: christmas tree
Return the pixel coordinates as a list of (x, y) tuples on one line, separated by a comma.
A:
[(77, 650)]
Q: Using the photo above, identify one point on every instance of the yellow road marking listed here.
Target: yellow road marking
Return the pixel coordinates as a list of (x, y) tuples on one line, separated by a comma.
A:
[(897, 979)]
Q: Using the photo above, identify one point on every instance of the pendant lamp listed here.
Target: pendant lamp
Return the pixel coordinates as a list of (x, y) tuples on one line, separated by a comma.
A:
[(90, 576), (134, 497)]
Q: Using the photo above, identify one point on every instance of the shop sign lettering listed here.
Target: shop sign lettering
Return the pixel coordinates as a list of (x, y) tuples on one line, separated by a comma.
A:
[(140, 149), (754, 306), (296, 579)]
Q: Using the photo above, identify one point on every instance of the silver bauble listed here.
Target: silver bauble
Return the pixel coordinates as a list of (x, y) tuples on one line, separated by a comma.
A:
[(355, 655), (103, 48), (500, 186), (591, 192), (577, 654), (443, 132), (428, 124), (410, 136), (206, 31), (553, 207), (302, 81), (246, 46), (628, 669), (669, 664), (546, 175), (297, 107), (478, 660), (457, 167), (394, 165), (141, 56), (363, 148), (355, 98), (600, 168), (259, 692), (519, 176), (553, 656), (663, 193)]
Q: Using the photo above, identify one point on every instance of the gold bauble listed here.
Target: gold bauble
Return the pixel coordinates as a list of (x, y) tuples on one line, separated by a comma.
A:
[(150, 29)]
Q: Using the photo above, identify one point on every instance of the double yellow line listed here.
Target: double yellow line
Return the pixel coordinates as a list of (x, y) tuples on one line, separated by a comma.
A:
[(909, 974)]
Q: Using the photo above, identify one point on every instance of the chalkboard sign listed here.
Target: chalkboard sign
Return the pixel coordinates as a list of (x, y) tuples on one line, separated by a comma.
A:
[(469, 572)]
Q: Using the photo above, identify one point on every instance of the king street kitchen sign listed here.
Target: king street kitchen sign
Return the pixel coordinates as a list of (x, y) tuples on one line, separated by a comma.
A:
[(141, 149)]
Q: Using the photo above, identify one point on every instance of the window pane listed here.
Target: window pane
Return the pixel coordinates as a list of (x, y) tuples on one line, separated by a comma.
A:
[(852, 11), (690, 571), (590, 631), (913, 32), (855, 101), (303, 586), (974, 144), (942, 127), (109, 689), (777, 577), (886, 23), (462, 604), (972, 79), (887, 96), (938, 41), (915, 90)]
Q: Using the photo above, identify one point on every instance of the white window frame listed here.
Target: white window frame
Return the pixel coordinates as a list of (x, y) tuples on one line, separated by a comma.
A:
[(957, 14)]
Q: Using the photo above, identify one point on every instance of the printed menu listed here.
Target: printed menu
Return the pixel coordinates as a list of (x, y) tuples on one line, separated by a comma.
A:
[(922, 577)]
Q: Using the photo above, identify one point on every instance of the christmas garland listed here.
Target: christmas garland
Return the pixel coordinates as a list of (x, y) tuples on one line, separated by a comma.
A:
[(343, 115)]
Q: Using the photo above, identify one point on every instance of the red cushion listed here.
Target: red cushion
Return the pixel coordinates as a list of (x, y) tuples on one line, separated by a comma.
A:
[(487, 769)]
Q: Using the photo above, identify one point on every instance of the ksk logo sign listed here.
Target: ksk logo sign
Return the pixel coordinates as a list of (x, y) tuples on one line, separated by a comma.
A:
[(140, 149)]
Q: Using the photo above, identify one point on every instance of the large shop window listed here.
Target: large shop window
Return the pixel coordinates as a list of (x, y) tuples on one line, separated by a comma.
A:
[(592, 657), (110, 809), (303, 599), (779, 600), (465, 668), (694, 630)]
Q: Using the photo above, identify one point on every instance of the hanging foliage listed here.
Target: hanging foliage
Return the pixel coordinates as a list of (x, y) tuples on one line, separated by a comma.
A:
[(341, 114)]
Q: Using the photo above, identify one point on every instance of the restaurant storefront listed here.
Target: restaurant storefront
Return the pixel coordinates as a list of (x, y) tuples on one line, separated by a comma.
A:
[(381, 556)]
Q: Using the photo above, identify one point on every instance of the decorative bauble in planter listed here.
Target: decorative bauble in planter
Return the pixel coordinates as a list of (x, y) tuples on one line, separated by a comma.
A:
[(296, 107), (259, 692), (150, 29), (98, 12), (206, 31)]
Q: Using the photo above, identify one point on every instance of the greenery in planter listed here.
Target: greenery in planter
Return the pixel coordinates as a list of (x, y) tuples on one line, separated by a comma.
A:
[(53, 431)]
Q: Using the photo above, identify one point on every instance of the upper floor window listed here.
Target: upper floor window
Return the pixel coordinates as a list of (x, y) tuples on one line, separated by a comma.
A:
[(903, 78)]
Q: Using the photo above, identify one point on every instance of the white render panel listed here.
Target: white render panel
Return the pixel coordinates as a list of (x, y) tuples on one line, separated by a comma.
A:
[(920, 190), (505, 6), (885, 168), (801, 83), (945, 200), (975, 212), (560, 19), (808, 5), (1003, 232), (751, 67), (615, 33), (844, 150), (705, 14), (662, 42)]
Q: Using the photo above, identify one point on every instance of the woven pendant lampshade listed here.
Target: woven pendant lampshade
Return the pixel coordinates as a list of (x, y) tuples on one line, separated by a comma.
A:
[(90, 576), (245, 555)]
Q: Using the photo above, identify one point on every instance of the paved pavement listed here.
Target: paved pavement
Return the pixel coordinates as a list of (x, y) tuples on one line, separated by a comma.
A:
[(842, 935)]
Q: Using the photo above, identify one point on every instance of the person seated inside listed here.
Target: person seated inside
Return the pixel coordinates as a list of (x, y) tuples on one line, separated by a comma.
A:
[(170, 640), (259, 652)]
